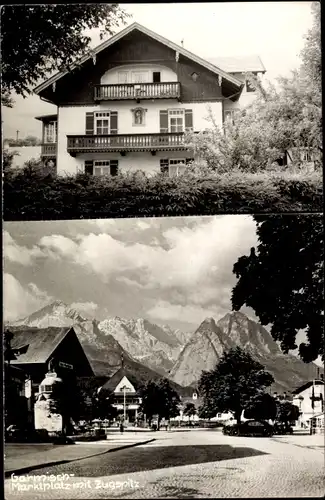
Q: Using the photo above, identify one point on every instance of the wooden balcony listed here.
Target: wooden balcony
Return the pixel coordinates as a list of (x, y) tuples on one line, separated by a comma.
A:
[(137, 91), (49, 150), (126, 142)]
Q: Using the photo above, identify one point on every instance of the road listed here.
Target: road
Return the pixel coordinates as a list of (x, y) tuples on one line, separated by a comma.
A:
[(186, 464)]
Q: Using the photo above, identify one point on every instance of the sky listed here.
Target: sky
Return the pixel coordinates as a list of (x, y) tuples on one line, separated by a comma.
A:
[(273, 30), (174, 271)]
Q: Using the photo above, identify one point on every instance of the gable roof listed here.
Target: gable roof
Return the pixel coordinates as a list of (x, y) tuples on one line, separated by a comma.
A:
[(116, 378), (41, 342), (155, 36), (239, 64), (307, 385)]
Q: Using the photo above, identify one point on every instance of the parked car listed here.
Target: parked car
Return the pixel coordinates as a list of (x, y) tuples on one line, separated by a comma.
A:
[(15, 434), (282, 428), (249, 428)]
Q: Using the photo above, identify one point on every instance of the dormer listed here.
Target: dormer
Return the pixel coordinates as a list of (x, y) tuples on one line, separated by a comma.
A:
[(138, 82)]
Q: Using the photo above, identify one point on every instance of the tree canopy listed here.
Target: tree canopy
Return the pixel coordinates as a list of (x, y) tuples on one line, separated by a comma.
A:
[(284, 119), (286, 411), (282, 280), (190, 409), (39, 39), (233, 384), (159, 398)]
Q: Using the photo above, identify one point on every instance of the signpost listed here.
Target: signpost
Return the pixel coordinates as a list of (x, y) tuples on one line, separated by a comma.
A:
[(65, 365)]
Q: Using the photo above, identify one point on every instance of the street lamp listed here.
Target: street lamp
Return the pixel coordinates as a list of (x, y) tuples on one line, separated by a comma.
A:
[(125, 388)]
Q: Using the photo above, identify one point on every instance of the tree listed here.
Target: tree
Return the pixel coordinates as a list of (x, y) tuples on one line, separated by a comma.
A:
[(51, 38), (233, 383), (262, 407), (282, 280), (286, 412), (159, 398), (283, 118), (190, 410)]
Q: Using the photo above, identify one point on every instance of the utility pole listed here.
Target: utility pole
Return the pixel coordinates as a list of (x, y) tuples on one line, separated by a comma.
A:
[(17, 134)]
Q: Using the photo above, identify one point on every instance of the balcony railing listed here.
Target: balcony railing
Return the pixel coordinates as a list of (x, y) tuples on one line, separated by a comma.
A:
[(166, 90), (125, 142), (48, 149)]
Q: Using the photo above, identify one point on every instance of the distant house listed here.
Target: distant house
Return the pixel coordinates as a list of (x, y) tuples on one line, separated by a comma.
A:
[(195, 399), (42, 348), (310, 400), (128, 105), (124, 389)]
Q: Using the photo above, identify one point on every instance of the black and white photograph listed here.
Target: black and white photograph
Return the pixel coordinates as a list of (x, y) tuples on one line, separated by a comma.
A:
[(153, 110), (163, 250), (140, 368)]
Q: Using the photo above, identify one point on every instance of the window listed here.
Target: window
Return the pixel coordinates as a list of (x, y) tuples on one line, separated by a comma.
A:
[(156, 77), (176, 120), (306, 156), (102, 123), (249, 87), (50, 132), (230, 115), (139, 77), (46, 388), (174, 167), (122, 76), (105, 167), (194, 76)]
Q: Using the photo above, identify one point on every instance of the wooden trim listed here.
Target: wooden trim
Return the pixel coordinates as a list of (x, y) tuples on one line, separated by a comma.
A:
[(151, 34)]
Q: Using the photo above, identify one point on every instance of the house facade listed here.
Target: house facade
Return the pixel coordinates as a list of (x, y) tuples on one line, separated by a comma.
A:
[(43, 350), (128, 106), (310, 400), (123, 390)]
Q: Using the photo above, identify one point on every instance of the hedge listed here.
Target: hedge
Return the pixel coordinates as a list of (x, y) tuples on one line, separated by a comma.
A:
[(36, 197)]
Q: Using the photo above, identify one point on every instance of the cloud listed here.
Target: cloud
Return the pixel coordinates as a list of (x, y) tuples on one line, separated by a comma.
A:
[(165, 311), (193, 258), (19, 254), (85, 307), (21, 301)]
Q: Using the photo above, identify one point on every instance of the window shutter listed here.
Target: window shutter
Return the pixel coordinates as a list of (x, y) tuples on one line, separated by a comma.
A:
[(188, 119), (114, 126), (114, 167), (89, 123), (164, 164), (89, 167), (163, 121)]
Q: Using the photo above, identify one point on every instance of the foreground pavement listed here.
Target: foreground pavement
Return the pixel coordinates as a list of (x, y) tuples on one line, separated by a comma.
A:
[(187, 464), (22, 458)]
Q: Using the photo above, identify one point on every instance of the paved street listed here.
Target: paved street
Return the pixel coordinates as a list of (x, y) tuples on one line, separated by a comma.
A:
[(187, 464)]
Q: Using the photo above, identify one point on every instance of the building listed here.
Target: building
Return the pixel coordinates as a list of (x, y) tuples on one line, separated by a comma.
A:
[(42, 350), (124, 390), (310, 400), (127, 106)]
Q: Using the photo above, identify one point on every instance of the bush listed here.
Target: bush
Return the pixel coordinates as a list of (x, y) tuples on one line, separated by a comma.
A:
[(31, 195)]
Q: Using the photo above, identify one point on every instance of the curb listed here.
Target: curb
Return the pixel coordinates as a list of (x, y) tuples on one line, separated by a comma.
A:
[(30, 468)]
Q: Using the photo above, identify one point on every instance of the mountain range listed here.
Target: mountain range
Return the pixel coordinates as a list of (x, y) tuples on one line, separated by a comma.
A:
[(153, 351)]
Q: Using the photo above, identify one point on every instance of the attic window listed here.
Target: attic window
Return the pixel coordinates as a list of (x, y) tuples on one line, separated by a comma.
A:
[(194, 76)]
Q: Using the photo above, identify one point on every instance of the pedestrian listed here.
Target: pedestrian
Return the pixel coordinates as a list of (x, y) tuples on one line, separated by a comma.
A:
[(121, 428)]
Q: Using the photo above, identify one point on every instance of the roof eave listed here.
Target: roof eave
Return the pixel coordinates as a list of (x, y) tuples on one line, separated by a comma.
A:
[(150, 33)]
